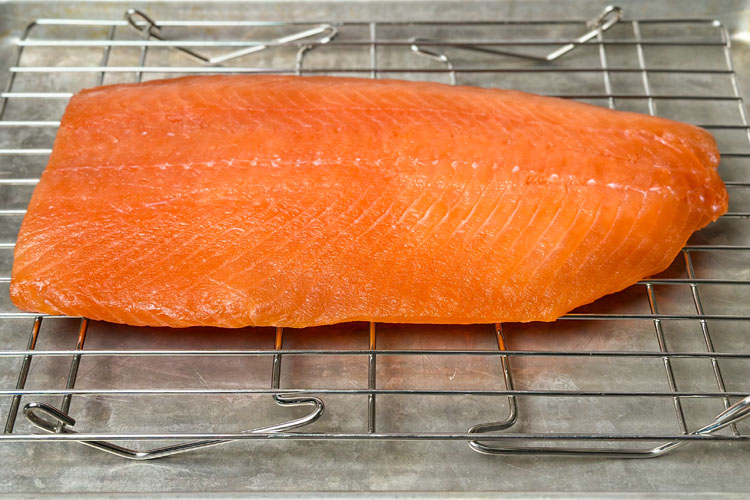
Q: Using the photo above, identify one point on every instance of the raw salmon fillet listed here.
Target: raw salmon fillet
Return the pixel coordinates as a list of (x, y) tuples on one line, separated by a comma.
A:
[(299, 201)]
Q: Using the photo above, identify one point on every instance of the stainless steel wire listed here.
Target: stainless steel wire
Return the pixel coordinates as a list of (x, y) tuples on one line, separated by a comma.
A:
[(190, 41), (610, 16), (148, 28)]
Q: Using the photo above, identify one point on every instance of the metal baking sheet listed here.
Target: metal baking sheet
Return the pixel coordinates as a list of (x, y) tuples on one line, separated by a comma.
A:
[(389, 465)]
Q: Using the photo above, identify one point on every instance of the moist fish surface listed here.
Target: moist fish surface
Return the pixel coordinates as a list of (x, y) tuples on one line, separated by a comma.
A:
[(297, 201)]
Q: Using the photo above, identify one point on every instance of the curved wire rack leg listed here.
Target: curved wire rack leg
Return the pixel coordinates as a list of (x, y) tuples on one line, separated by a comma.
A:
[(732, 415), (728, 417), (54, 420), (610, 16), (512, 417), (62, 423), (142, 23)]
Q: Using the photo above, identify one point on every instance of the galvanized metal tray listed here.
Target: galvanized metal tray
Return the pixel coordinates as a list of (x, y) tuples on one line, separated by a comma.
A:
[(644, 367)]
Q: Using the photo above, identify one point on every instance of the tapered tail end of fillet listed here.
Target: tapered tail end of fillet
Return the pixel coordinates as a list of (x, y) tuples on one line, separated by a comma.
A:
[(713, 193), (715, 198)]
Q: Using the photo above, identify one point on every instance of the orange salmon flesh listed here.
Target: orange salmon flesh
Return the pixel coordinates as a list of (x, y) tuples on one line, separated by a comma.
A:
[(298, 201)]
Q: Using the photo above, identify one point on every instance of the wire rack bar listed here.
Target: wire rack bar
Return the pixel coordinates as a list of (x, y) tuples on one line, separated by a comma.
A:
[(251, 24), (679, 412), (393, 436), (365, 391), (56, 123), (364, 69), (678, 97), (23, 373), (571, 316), (354, 43), (651, 281), (371, 380), (706, 334), (368, 352)]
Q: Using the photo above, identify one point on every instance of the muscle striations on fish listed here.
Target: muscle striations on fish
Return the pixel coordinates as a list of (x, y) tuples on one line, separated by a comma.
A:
[(290, 201)]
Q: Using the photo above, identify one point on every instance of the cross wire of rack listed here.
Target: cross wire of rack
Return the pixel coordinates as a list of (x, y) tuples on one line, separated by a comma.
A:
[(608, 60)]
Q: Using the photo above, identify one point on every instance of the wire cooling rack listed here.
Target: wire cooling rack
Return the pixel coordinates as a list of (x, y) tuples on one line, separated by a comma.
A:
[(636, 374)]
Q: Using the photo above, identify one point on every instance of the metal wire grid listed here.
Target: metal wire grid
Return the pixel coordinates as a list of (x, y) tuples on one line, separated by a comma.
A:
[(373, 39)]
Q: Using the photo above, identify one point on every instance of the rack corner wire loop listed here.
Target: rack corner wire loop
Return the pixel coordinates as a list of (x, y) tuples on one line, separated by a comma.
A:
[(148, 28), (730, 416), (610, 16), (480, 437), (63, 423)]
